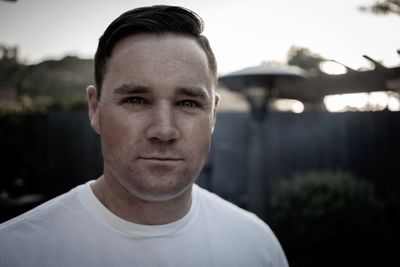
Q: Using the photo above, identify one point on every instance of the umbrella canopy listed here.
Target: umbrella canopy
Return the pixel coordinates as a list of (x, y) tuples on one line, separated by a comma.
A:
[(265, 76)]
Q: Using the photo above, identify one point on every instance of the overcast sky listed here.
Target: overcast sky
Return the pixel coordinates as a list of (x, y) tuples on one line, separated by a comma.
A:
[(242, 33)]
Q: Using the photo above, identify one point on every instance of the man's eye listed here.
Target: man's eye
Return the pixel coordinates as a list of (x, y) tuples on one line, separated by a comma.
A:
[(134, 100), (188, 103)]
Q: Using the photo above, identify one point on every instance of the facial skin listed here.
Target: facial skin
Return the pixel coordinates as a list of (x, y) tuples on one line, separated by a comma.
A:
[(155, 115)]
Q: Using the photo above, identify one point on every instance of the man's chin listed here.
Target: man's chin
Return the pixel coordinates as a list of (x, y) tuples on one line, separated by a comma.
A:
[(161, 194)]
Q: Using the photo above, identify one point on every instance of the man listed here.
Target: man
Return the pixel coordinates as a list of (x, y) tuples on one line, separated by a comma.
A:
[(154, 108)]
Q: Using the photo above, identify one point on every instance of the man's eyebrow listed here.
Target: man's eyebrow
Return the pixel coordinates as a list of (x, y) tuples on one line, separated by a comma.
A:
[(194, 92), (128, 89)]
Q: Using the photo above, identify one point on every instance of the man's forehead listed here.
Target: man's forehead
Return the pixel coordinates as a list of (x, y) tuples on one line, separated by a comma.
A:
[(158, 42), (150, 59), (159, 48)]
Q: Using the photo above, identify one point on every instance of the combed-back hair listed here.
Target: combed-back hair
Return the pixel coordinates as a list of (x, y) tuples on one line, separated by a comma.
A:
[(159, 19)]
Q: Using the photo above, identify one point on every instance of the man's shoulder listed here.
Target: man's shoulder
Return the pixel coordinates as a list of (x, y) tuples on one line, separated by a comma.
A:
[(224, 210), (42, 213), (41, 229), (250, 235)]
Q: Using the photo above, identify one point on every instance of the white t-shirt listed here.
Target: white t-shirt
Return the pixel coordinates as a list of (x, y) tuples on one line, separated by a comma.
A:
[(75, 229)]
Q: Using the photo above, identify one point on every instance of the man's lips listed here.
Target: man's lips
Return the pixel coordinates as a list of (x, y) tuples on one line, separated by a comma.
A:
[(162, 158), (161, 161)]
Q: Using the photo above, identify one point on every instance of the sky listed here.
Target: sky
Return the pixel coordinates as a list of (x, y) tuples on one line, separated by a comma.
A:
[(241, 33)]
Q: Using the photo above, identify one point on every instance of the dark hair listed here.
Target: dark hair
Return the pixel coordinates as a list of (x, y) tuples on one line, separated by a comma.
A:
[(159, 19)]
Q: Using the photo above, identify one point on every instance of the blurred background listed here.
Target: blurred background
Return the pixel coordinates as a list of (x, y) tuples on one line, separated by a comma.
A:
[(308, 128)]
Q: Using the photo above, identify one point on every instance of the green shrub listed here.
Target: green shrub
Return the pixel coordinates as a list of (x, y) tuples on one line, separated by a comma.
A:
[(329, 219)]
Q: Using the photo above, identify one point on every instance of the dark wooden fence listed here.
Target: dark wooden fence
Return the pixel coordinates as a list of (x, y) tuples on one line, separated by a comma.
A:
[(49, 154), (365, 144)]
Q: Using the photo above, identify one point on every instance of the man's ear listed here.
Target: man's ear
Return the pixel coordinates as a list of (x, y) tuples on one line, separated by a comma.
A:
[(216, 100), (93, 107)]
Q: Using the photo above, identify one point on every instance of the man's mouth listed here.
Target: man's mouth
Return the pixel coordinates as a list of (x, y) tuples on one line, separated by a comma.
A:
[(158, 158)]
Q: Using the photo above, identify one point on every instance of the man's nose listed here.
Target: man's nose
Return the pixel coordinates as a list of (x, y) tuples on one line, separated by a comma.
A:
[(162, 124)]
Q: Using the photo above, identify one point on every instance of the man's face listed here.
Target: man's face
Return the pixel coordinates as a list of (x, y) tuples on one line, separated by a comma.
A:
[(155, 115)]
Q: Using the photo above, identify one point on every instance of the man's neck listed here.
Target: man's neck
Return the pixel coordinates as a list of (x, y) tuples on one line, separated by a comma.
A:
[(128, 207)]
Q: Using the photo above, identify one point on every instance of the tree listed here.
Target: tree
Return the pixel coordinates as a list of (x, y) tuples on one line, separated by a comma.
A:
[(383, 7), (304, 58)]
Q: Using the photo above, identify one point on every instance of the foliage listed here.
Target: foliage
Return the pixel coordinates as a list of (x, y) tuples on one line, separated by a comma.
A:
[(328, 219), (47, 86), (10, 73), (40, 105), (62, 80), (304, 58), (383, 7)]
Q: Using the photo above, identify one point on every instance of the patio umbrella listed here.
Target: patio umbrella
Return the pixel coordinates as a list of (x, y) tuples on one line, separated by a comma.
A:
[(258, 85)]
